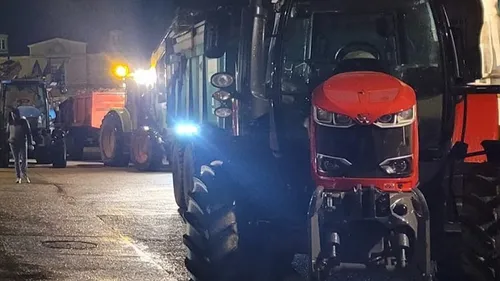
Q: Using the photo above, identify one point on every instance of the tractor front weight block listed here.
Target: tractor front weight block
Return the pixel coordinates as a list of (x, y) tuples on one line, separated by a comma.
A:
[(368, 229)]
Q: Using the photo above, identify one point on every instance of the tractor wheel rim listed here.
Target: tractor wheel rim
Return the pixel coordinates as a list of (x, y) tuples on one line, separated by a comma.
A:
[(142, 150), (109, 143)]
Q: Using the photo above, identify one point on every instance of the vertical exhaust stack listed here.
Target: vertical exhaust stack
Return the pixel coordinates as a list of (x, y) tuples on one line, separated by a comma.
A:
[(260, 105), (257, 63)]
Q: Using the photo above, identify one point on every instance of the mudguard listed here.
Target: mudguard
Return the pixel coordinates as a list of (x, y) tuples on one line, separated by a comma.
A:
[(125, 118)]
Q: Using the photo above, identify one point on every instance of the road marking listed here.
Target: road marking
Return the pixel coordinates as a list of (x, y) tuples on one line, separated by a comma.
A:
[(142, 255)]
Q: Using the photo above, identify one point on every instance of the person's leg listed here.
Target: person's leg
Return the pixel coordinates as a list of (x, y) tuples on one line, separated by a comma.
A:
[(23, 155), (15, 154)]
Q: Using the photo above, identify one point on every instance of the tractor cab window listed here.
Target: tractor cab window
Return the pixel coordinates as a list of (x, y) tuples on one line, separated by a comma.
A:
[(30, 99), (397, 37)]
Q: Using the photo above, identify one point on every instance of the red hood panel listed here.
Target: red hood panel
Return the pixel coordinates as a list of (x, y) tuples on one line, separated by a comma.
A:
[(372, 94)]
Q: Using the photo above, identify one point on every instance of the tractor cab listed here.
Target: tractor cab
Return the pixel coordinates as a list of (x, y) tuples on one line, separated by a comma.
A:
[(400, 38), (30, 97)]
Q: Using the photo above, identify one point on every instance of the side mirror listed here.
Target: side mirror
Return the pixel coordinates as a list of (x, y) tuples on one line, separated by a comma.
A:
[(216, 33), (257, 62)]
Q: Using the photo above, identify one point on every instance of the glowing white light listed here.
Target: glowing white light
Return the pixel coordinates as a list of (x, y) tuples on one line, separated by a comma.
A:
[(186, 129), (145, 77)]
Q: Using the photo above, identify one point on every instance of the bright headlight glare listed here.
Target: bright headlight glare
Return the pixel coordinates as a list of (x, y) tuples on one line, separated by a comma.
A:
[(186, 129), (145, 77)]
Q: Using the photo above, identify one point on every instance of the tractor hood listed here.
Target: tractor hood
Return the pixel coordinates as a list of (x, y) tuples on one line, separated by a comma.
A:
[(370, 94)]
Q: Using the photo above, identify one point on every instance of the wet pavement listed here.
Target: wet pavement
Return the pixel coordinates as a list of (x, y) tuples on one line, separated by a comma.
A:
[(89, 222)]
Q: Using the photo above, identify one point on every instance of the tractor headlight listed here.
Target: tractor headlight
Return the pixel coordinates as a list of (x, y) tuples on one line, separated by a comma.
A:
[(221, 96), (145, 77), (223, 112), (221, 80), (186, 129), (331, 166), (398, 119), (332, 119), (398, 166)]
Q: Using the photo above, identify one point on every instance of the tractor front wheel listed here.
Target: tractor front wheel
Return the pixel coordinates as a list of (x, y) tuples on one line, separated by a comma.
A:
[(59, 154), (146, 153), (214, 227), (112, 142)]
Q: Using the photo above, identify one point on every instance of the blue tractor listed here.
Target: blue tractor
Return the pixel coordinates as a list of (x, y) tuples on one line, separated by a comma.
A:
[(30, 97)]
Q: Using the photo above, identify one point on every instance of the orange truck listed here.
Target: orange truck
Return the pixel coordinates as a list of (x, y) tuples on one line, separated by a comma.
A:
[(81, 117)]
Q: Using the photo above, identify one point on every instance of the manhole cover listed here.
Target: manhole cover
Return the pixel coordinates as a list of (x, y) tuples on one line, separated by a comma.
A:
[(70, 245)]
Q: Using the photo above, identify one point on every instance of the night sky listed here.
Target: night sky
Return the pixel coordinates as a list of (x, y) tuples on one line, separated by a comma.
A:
[(31, 21)]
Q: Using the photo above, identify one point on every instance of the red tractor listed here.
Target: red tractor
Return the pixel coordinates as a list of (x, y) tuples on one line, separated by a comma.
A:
[(343, 139)]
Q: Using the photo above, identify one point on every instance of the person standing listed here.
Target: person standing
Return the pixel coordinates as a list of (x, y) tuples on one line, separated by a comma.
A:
[(19, 137)]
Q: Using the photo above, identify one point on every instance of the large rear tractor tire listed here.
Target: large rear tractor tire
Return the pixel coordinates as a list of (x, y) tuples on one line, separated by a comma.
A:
[(146, 154), (112, 143), (177, 176), (223, 242), (188, 172), (481, 221), (213, 237)]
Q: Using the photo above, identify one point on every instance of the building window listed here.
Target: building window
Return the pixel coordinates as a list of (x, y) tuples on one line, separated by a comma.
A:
[(3, 44)]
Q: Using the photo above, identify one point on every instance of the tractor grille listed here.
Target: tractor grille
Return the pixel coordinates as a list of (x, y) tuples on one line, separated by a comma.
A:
[(365, 147)]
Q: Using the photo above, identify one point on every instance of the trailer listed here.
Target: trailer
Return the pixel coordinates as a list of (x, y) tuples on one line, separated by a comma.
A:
[(82, 117)]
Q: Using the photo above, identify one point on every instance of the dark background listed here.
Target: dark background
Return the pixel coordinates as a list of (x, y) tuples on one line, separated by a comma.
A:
[(143, 22)]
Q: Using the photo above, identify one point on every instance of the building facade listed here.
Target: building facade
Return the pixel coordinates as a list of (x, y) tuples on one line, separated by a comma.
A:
[(68, 61)]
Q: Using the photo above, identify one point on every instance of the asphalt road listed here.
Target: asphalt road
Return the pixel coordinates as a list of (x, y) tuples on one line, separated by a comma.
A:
[(89, 222)]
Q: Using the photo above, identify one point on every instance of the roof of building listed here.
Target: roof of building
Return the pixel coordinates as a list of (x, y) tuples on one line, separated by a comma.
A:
[(56, 39)]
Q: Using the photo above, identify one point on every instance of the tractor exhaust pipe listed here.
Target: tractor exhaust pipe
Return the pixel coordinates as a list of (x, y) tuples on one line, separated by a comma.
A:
[(257, 61)]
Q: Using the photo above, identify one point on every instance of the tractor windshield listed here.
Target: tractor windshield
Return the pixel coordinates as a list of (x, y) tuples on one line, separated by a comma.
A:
[(401, 35), (30, 99)]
